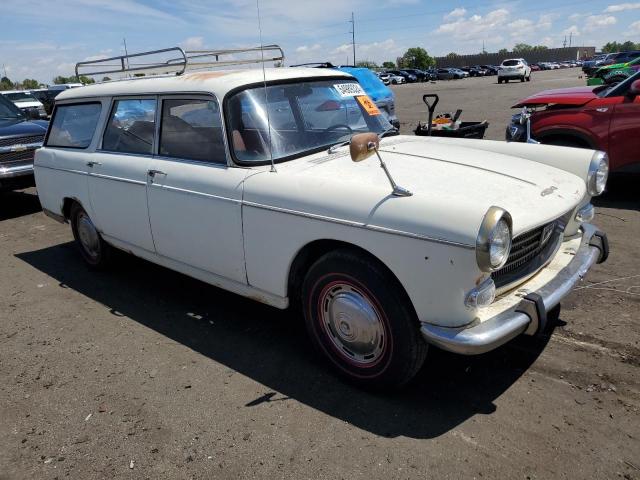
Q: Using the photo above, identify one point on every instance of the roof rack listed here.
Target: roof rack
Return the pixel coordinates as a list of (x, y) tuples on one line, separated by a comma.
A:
[(179, 63)]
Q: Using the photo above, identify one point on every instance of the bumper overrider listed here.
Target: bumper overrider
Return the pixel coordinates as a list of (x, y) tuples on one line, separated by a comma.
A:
[(530, 314)]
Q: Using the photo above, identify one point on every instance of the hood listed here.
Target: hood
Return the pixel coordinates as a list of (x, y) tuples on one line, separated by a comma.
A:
[(613, 67), (453, 187), (562, 96), (27, 103), (22, 127)]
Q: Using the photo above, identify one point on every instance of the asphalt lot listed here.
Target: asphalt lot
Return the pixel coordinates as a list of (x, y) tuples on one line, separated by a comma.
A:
[(141, 372)]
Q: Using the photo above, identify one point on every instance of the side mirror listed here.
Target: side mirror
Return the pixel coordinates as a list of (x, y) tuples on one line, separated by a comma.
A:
[(363, 145), (634, 89)]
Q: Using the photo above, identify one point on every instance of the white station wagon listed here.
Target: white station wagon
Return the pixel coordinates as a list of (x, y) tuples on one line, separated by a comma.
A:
[(267, 183)]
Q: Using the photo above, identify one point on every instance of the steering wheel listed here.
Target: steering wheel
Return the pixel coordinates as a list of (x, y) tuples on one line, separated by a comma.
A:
[(337, 126)]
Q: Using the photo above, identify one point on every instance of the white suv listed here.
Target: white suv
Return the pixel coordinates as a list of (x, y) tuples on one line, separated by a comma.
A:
[(514, 69)]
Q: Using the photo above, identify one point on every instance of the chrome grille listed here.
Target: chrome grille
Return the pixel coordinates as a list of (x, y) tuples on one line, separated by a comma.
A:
[(16, 156), (4, 142), (524, 249)]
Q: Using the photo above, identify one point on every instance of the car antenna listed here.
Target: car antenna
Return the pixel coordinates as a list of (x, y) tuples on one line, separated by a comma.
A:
[(264, 83)]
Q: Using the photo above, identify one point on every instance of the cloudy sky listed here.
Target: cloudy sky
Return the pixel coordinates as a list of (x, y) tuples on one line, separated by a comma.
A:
[(41, 39)]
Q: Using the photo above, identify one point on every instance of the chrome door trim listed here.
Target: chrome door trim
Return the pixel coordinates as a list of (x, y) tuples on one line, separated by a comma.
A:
[(197, 194)]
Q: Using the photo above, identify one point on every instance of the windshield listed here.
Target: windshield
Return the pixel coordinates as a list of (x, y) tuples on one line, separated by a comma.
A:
[(21, 97), (510, 63), (8, 109), (304, 117)]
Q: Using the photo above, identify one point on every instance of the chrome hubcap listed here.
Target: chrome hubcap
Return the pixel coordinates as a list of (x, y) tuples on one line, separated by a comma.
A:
[(88, 235), (353, 324)]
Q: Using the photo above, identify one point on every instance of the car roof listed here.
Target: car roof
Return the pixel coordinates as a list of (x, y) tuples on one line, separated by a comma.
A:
[(218, 82)]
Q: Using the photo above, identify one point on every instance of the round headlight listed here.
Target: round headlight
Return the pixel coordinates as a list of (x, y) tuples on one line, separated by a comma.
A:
[(499, 244), (494, 240), (598, 173)]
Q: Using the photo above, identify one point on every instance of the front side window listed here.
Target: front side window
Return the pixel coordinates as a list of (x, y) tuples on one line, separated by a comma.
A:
[(192, 129), (131, 127), (299, 118), (73, 126)]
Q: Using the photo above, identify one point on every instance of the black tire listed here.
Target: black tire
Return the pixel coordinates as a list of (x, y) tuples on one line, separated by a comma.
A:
[(100, 257), (499, 81), (529, 78), (522, 78), (392, 349)]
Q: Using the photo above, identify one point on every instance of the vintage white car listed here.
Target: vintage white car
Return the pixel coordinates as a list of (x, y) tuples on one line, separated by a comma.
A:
[(269, 184)]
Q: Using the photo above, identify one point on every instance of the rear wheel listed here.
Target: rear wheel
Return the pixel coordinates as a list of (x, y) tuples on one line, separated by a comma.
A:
[(361, 321), (522, 78), (529, 78), (94, 250)]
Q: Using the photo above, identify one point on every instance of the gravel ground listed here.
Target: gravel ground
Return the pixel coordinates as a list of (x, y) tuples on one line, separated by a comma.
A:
[(141, 372)]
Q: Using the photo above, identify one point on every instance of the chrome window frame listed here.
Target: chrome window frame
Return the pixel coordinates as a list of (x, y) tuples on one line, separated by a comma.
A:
[(112, 104), (191, 96)]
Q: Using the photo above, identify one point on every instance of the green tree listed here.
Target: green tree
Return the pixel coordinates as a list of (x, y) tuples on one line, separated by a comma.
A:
[(83, 79), (30, 83), (503, 51), (417, 57), (452, 55), (628, 45), (366, 64), (6, 84), (522, 48), (388, 65)]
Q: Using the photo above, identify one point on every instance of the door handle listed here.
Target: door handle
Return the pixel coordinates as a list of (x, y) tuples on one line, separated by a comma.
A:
[(92, 163), (153, 173)]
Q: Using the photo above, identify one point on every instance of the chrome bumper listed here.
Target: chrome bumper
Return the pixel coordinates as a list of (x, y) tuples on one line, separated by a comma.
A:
[(16, 171), (530, 315)]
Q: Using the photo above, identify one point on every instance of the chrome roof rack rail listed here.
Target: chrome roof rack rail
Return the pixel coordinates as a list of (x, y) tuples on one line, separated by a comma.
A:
[(198, 58), (183, 61), (124, 65)]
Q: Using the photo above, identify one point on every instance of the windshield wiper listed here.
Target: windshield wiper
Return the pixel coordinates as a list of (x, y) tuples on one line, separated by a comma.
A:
[(389, 131), (332, 149)]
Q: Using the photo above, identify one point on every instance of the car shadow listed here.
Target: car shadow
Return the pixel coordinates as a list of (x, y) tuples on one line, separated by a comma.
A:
[(18, 204), (270, 347), (621, 192)]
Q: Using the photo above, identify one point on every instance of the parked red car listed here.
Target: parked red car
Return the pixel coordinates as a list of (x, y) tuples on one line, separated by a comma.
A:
[(602, 118)]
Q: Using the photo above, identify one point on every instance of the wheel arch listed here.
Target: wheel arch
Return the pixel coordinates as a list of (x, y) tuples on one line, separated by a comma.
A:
[(569, 134), (308, 254)]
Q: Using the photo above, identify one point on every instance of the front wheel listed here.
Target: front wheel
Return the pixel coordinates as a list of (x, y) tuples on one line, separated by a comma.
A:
[(94, 250), (529, 78), (361, 321)]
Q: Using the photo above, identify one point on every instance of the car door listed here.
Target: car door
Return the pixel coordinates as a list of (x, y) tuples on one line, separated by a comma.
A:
[(624, 132), (194, 197), (118, 172)]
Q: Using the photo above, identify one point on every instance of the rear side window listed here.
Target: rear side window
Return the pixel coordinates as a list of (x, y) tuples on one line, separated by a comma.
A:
[(511, 63), (192, 129), (73, 125), (131, 127)]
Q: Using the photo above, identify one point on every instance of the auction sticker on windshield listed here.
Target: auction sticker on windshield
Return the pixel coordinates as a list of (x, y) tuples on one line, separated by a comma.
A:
[(368, 105), (349, 89)]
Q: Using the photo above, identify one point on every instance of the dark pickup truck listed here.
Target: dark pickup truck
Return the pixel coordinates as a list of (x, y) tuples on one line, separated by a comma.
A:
[(19, 139)]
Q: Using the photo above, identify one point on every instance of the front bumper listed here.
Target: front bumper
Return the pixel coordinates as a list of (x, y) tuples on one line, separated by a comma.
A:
[(16, 177), (530, 314)]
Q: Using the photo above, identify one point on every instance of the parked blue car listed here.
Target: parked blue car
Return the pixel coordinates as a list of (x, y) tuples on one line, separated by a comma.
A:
[(382, 95)]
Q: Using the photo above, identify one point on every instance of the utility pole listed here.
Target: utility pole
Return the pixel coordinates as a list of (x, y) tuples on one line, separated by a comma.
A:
[(564, 44), (570, 37), (353, 38)]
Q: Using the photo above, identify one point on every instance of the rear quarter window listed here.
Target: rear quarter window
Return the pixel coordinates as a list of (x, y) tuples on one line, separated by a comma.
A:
[(73, 125)]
